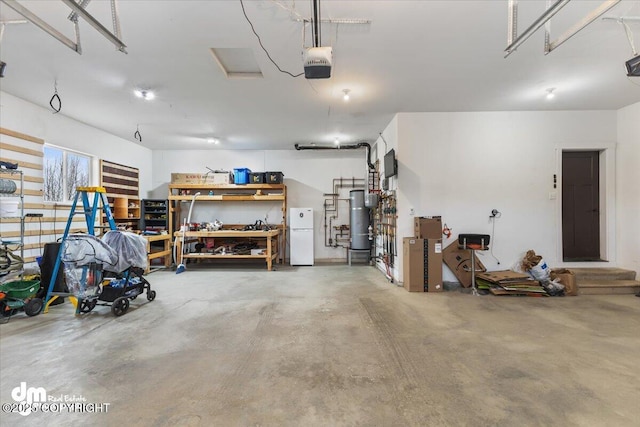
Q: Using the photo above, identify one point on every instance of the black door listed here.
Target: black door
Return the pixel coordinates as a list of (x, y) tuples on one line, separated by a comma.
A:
[(580, 206)]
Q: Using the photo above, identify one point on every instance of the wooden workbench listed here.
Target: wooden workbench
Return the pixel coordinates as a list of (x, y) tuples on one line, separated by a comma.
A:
[(248, 194), (270, 253), (164, 253)]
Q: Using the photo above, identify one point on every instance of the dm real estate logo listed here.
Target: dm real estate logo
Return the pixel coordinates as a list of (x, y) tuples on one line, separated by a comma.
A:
[(31, 395)]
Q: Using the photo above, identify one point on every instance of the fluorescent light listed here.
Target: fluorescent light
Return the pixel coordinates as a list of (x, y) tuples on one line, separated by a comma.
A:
[(215, 141)]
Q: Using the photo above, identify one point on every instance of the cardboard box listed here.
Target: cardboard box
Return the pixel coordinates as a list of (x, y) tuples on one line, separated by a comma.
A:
[(422, 264), (427, 227), (459, 262), (218, 178)]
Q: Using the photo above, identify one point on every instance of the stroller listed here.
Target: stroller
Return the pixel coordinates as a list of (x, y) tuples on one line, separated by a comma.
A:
[(106, 271)]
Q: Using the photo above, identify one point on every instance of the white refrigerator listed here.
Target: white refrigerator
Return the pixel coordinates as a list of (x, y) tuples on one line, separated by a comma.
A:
[(301, 236)]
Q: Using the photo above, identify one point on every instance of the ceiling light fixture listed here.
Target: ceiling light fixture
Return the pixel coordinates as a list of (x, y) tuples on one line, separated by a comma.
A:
[(336, 141), (144, 94), (215, 141), (550, 94), (346, 94)]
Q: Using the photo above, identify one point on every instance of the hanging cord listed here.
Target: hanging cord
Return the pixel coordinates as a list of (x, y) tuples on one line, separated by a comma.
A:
[(40, 234), (262, 46), (137, 134), (493, 235), (55, 97)]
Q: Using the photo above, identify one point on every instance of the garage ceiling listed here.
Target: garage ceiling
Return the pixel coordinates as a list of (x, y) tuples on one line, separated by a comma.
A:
[(413, 56)]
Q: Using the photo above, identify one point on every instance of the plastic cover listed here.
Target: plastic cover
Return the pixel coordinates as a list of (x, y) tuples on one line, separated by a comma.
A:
[(130, 249), (83, 249), (84, 257)]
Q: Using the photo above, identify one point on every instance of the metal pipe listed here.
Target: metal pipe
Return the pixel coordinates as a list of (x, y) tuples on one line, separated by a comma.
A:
[(340, 147), (548, 14)]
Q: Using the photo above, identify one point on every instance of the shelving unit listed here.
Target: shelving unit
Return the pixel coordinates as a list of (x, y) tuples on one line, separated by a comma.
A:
[(126, 212), (233, 193), (19, 243), (155, 215)]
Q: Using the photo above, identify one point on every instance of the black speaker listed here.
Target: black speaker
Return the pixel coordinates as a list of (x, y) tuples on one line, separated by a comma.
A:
[(49, 256)]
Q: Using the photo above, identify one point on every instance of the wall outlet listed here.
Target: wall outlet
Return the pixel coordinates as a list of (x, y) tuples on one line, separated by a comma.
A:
[(412, 212), (552, 195)]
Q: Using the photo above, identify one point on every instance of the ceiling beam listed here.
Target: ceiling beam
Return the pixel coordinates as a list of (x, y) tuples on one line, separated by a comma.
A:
[(34, 19), (592, 16), (96, 24), (548, 14)]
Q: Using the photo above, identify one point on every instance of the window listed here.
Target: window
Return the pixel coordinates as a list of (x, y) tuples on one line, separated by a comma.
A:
[(64, 170)]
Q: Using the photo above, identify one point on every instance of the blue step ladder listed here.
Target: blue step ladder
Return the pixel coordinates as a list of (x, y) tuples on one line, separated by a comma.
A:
[(90, 212)]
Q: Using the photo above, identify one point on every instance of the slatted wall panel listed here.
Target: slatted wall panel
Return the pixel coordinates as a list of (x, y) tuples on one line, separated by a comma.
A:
[(27, 151), (119, 180)]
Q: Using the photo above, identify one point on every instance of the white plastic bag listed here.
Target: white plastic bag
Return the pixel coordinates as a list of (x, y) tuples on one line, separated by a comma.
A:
[(541, 271)]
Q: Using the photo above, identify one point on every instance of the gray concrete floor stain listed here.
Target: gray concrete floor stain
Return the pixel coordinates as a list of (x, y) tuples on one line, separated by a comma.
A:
[(330, 345)]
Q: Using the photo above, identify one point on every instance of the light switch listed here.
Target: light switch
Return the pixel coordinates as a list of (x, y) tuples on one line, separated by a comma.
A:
[(552, 195)]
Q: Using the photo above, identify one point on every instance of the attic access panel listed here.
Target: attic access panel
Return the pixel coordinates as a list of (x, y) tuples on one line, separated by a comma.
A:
[(237, 63)]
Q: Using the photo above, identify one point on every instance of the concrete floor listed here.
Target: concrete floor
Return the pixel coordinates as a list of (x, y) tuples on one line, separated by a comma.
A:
[(330, 346)]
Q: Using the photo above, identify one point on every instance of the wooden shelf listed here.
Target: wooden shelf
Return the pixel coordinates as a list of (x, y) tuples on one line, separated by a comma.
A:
[(232, 197), (227, 186), (228, 233), (211, 256), (271, 238)]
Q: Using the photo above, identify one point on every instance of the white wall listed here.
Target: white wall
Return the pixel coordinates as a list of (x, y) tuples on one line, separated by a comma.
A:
[(22, 116), (463, 165), (308, 175), (628, 189)]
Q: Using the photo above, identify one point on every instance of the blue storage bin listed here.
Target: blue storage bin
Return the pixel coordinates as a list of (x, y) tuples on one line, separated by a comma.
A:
[(241, 175)]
